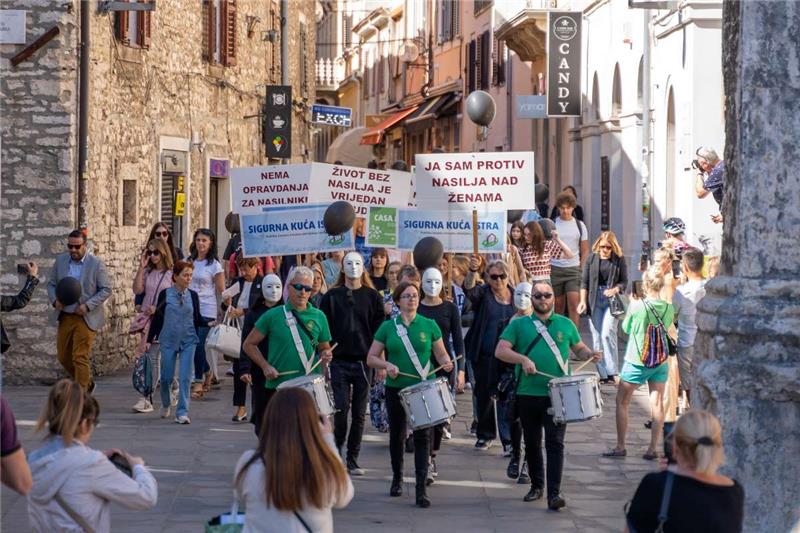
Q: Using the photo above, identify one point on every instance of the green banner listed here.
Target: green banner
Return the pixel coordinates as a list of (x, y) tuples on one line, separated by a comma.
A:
[(381, 227)]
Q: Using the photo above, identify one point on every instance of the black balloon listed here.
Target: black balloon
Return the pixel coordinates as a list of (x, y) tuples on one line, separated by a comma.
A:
[(542, 193), (428, 253), (339, 218), (547, 227), (232, 223), (68, 291), (512, 215)]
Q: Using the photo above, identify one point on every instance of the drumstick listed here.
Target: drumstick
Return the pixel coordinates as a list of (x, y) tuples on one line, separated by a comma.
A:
[(406, 374), (288, 372), (310, 370), (582, 365), (435, 370), (546, 374)]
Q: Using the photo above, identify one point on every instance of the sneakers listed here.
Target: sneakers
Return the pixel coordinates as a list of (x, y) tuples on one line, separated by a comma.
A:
[(556, 502), (507, 450), (396, 489), (432, 473), (524, 478), (229, 372), (143, 406), (512, 471), (533, 495), (483, 444), (446, 435), (353, 469), (182, 419), (434, 470), (166, 411)]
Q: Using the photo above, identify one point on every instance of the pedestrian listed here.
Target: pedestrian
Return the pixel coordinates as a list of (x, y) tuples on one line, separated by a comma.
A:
[(675, 236), (293, 479), (699, 500), (281, 325), (249, 296), (73, 484), (176, 327), (516, 234), (604, 276), (642, 350), (710, 177), (685, 302), (20, 300), (360, 239), (354, 310), (566, 272), (272, 291), (493, 307), (331, 266), (665, 262), (389, 352), (153, 276), (520, 345), (377, 391), (79, 323), (160, 230), (538, 252), (16, 474), (377, 268), (319, 287), (577, 213), (208, 281)]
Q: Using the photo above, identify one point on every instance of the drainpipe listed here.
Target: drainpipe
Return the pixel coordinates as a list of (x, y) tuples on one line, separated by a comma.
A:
[(647, 185), (83, 114), (285, 55)]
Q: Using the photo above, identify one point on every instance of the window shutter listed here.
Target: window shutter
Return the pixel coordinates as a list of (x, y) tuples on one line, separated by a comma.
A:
[(484, 60), (447, 20), (456, 19), (471, 66), (145, 27), (228, 37), (209, 33), (381, 75), (477, 63), (495, 63), (502, 52), (121, 25), (439, 21)]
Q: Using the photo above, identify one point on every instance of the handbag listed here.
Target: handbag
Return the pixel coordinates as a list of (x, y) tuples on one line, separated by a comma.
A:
[(232, 522), (225, 337), (141, 320), (616, 306)]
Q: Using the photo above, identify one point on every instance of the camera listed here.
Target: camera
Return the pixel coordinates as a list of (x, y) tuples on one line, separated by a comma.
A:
[(23, 269), (696, 165)]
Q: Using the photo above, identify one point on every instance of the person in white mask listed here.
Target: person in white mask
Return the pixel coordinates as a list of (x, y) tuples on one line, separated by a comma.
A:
[(271, 292), (522, 299), (354, 310), (448, 318)]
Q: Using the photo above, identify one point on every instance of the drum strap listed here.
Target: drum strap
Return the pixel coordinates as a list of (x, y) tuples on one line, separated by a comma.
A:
[(412, 354), (542, 329), (298, 343)]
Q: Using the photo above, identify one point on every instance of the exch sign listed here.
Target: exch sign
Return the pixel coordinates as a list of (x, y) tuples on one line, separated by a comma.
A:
[(277, 121), (564, 63)]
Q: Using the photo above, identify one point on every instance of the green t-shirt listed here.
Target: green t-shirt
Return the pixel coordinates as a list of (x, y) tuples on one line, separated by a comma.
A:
[(521, 332), (637, 318), (422, 332), (282, 352)]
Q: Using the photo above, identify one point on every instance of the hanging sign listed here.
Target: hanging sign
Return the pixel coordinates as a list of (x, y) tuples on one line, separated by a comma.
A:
[(486, 181), (290, 231), (331, 115), (361, 187), (255, 189), (277, 125), (564, 63)]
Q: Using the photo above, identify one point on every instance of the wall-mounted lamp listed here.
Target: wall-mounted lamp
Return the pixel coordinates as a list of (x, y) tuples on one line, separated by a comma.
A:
[(269, 36), (251, 21)]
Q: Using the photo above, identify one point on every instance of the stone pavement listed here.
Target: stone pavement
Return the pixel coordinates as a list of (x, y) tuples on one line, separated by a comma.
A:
[(193, 465)]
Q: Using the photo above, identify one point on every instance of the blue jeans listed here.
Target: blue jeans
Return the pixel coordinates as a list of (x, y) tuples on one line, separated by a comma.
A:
[(201, 365), (604, 335), (169, 356)]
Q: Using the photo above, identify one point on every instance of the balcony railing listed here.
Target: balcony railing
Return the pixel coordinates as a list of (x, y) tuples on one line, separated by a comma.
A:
[(330, 73)]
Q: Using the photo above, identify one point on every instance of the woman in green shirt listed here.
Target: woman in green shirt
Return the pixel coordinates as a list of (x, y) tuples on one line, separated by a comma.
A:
[(426, 339)]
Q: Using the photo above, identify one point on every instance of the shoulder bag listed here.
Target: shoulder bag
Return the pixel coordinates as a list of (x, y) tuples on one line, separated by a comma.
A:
[(226, 337), (141, 320), (232, 522), (616, 305)]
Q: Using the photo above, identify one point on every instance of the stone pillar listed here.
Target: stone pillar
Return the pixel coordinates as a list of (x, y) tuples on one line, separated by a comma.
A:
[(748, 346)]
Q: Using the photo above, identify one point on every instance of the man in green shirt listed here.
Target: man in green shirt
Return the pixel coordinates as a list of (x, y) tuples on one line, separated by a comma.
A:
[(533, 400), (285, 362)]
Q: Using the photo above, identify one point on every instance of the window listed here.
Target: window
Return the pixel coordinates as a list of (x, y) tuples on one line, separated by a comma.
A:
[(219, 42), (449, 20), (480, 5), (479, 58), (128, 202), (473, 55), (499, 62), (133, 28)]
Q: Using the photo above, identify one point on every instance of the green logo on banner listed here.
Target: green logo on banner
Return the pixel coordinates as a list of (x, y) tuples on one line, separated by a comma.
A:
[(490, 241), (382, 231)]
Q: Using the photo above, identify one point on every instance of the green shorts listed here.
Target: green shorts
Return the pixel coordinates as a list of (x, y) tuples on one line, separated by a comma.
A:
[(639, 375), (565, 279)]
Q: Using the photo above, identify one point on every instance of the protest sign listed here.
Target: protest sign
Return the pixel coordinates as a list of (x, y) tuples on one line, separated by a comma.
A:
[(452, 228), (361, 187), (256, 189), (290, 231), (487, 181)]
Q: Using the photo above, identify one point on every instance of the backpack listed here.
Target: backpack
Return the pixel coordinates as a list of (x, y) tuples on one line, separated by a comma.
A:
[(657, 344), (142, 376)]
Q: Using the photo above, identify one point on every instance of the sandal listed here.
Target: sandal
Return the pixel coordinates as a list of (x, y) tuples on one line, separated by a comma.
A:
[(650, 456), (615, 453), (207, 382), (197, 391)]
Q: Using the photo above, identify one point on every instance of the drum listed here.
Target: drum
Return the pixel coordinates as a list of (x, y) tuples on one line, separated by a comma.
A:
[(318, 388), (575, 398), (428, 403)]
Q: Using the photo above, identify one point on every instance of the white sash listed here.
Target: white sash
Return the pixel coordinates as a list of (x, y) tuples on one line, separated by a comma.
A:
[(542, 329), (412, 354), (298, 343)]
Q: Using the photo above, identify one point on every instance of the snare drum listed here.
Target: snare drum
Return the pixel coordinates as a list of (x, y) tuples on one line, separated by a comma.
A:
[(318, 388), (575, 398), (428, 403)]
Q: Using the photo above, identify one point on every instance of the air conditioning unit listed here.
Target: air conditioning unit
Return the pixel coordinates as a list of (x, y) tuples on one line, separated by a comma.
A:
[(410, 53)]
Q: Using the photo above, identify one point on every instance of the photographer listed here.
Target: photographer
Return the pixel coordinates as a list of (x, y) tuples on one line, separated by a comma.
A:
[(710, 177), (10, 303)]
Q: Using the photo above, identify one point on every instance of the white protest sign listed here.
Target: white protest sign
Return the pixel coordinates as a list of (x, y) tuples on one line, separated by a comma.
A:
[(255, 189), (361, 187), (487, 181)]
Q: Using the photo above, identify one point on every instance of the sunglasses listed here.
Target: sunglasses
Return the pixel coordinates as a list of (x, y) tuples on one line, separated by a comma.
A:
[(301, 287), (74, 246), (162, 234), (495, 277), (542, 295), (153, 252)]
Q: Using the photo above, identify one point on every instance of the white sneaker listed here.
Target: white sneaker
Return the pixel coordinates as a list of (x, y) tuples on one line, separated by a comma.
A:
[(143, 406), (166, 411), (229, 372), (183, 419)]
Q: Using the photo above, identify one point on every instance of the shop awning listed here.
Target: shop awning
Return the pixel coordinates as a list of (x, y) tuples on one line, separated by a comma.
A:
[(433, 108), (375, 135)]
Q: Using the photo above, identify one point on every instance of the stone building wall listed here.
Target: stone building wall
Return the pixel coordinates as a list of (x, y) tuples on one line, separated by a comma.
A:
[(138, 98)]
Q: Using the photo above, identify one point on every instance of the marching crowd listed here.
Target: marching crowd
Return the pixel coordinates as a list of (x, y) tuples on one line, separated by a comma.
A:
[(371, 325)]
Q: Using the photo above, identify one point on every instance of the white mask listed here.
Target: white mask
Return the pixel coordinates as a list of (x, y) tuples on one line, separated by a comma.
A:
[(432, 282), (353, 265), (522, 296), (272, 288)]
